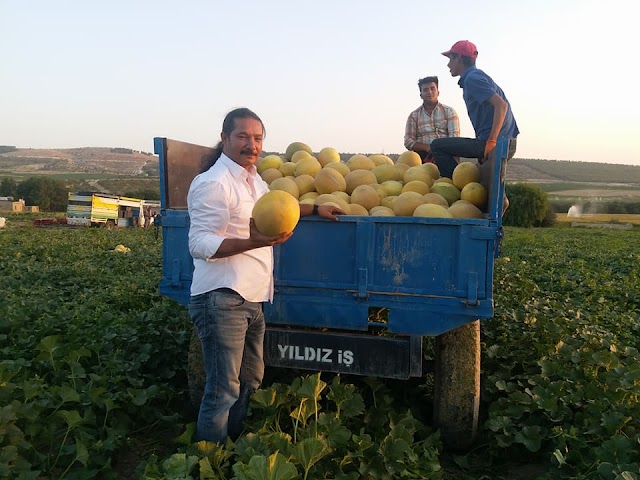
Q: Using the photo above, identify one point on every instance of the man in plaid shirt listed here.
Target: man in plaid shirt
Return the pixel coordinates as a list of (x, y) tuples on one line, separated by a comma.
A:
[(429, 121)]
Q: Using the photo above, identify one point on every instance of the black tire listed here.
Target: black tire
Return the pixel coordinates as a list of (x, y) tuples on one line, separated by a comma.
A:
[(196, 375), (457, 385), (110, 224)]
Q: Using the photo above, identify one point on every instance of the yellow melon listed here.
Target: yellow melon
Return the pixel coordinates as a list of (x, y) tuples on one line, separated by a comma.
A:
[(307, 166), (328, 155), (417, 173), (464, 209), (406, 203), (288, 169), (329, 180), (343, 195), (432, 169), (276, 212), (392, 187), (443, 180), (475, 193), (432, 210), (270, 174), (385, 172), (299, 155), (286, 184), (380, 159), (366, 196), (359, 177), (333, 199), (357, 209), (294, 147), (305, 183), (435, 198), (380, 190), (388, 201), (465, 172), (449, 191), (360, 162), (416, 186), (381, 211), (339, 167), (311, 195), (401, 168), (409, 158), (270, 161)]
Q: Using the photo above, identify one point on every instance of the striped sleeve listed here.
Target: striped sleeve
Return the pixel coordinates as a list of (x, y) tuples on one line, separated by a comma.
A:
[(411, 131), (453, 123)]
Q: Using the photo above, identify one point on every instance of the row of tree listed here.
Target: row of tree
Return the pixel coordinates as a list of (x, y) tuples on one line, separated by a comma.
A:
[(49, 194)]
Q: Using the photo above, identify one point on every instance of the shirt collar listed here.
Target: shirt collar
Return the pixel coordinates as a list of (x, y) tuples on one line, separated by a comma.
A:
[(434, 108), (464, 74), (236, 170)]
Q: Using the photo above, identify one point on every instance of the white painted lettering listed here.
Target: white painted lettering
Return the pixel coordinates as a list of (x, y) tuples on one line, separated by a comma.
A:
[(326, 355), (347, 357), (283, 350)]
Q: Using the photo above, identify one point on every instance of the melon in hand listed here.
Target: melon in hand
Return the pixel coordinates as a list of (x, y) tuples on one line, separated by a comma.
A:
[(276, 212)]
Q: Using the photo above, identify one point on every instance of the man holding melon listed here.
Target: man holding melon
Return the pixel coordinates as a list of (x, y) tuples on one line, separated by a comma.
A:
[(429, 121), (233, 272), (488, 109)]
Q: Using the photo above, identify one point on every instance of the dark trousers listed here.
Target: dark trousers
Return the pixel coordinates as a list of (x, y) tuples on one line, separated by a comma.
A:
[(446, 150)]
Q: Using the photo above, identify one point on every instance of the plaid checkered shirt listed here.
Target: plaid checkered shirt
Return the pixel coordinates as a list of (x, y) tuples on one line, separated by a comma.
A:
[(422, 127)]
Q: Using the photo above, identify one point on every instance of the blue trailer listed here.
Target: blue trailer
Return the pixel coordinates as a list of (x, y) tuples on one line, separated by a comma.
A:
[(356, 296)]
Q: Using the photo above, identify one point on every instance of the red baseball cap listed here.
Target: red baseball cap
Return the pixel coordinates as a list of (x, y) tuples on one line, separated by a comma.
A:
[(463, 47)]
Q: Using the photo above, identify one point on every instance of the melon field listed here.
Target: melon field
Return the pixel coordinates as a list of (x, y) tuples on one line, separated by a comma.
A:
[(93, 373)]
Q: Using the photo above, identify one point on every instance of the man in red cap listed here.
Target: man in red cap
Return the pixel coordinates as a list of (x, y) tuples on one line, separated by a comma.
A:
[(488, 109)]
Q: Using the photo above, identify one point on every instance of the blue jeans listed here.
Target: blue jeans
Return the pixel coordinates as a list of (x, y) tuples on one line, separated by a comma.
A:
[(445, 150), (231, 332)]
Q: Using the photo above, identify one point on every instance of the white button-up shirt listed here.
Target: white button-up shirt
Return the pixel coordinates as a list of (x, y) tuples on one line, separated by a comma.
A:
[(220, 203)]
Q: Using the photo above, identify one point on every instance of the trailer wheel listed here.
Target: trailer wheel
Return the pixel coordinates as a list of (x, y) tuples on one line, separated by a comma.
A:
[(195, 370), (457, 385), (110, 224)]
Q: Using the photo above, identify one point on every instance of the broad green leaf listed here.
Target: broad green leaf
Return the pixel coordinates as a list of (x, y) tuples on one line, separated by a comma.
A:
[(303, 411), (49, 344), (179, 465), (309, 451), (280, 442), (186, 438), (82, 454), (249, 446), (275, 467), (67, 394), (72, 417), (530, 437), (206, 472), (138, 396), (310, 387), (500, 423)]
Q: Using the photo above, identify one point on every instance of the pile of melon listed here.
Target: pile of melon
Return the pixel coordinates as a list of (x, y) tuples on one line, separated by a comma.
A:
[(375, 185)]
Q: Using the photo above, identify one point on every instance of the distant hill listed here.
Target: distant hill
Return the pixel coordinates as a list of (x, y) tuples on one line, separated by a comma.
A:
[(90, 160), (545, 171), (122, 162)]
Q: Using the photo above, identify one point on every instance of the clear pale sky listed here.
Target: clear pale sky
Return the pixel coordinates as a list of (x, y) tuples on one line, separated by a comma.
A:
[(334, 73)]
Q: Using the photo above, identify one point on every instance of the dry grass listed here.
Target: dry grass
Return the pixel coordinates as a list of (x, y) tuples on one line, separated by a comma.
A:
[(601, 217)]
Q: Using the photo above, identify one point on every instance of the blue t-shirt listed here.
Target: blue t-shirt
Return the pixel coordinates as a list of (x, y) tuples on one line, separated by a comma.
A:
[(477, 88)]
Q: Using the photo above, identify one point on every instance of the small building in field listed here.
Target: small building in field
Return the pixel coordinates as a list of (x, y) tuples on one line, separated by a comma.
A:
[(14, 206)]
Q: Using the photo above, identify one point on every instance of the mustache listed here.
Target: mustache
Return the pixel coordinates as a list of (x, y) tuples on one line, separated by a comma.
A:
[(248, 151)]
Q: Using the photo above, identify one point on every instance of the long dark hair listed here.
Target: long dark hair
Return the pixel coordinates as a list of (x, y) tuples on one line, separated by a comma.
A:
[(228, 125)]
